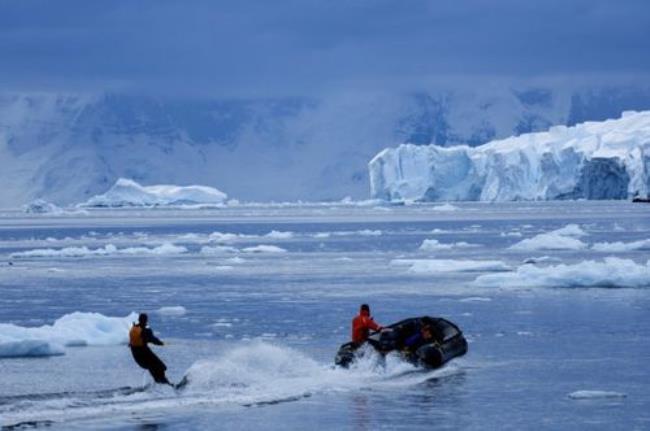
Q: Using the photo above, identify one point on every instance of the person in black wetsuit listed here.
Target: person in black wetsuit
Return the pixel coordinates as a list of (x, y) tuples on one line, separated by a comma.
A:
[(139, 337)]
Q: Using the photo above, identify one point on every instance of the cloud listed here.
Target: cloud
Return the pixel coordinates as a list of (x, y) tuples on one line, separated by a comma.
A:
[(295, 47)]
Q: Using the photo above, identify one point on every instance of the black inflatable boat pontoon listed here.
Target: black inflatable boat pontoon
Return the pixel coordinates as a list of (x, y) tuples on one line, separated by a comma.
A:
[(448, 342)]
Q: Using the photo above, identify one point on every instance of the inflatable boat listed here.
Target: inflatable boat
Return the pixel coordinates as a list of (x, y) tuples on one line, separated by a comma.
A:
[(446, 343)]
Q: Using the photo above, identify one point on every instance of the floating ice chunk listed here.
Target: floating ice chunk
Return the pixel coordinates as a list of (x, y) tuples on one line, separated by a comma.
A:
[(432, 266), (263, 248), (591, 395), (515, 234), (570, 230), (166, 248), (75, 329), (175, 310), (219, 249), (223, 267), (541, 259), (127, 192), (549, 241), (369, 232), (109, 249), (445, 208), (29, 348), (611, 272), (435, 245), (236, 260), (476, 299), (274, 234), (41, 206), (618, 247)]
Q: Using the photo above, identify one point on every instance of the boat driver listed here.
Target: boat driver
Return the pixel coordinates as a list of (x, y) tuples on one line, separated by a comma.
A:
[(362, 324)]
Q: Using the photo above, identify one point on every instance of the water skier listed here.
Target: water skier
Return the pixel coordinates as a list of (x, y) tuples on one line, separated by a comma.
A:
[(139, 336)]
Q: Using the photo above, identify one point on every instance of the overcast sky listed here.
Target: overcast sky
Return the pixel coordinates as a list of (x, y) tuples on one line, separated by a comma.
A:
[(299, 47)]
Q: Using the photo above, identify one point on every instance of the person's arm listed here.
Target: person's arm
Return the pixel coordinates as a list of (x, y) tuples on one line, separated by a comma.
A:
[(373, 325), (150, 338)]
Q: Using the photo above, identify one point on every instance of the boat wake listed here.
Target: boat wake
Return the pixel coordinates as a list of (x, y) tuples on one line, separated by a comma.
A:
[(257, 374)]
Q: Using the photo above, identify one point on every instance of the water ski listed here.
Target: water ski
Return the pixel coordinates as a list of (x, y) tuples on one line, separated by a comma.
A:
[(447, 342), (182, 384)]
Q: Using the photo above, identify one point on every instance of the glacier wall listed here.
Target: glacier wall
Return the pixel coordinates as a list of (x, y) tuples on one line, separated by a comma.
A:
[(592, 160)]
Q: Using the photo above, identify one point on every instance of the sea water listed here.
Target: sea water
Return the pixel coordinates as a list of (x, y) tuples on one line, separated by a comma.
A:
[(253, 302)]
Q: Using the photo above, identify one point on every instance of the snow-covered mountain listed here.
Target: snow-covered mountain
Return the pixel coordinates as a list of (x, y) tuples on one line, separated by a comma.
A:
[(66, 148), (592, 160)]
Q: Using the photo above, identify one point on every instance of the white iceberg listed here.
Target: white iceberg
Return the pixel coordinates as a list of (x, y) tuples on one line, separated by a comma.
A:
[(75, 329), (611, 272), (592, 160), (127, 192)]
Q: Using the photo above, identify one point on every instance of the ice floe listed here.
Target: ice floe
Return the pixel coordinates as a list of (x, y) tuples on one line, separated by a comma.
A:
[(275, 234), (610, 272), (107, 250), (560, 239), (592, 395), (218, 249), (75, 329), (172, 310), (41, 206), (619, 247), (435, 245), (431, 266), (264, 248), (445, 208)]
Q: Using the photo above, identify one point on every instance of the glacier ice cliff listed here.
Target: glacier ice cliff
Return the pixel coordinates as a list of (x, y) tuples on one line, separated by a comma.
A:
[(592, 160)]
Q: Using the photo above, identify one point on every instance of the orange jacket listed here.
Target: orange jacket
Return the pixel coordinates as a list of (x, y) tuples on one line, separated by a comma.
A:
[(361, 325)]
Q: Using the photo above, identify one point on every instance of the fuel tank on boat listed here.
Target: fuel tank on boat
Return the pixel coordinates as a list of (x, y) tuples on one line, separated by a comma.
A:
[(447, 342)]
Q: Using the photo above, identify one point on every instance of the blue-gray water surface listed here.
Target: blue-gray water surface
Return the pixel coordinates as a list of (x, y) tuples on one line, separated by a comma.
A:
[(268, 294)]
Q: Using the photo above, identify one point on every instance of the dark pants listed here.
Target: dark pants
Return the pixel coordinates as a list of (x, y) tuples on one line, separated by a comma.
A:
[(148, 360)]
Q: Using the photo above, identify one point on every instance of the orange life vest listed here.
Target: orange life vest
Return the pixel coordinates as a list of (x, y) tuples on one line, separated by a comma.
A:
[(135, 337)]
